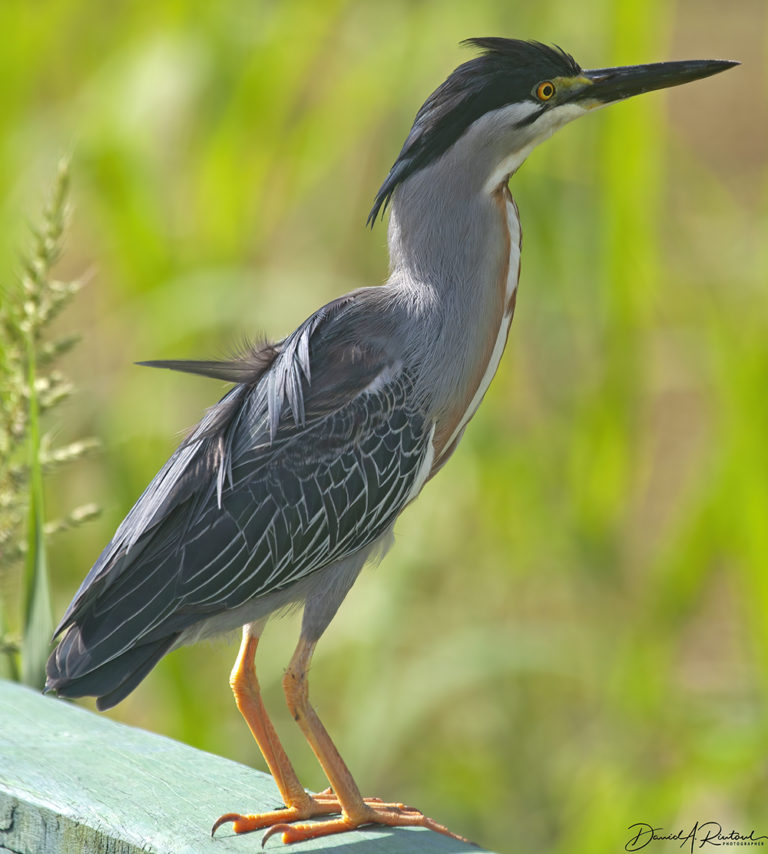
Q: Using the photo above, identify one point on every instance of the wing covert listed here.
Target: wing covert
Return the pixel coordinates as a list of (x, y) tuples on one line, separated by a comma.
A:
[(282, 478), (307, 500)]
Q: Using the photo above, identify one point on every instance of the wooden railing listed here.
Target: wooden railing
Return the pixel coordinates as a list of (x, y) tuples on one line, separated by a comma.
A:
[(76, 782)]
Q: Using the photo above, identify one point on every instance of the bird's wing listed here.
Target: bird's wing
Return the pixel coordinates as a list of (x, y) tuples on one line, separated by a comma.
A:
[(303, 468)]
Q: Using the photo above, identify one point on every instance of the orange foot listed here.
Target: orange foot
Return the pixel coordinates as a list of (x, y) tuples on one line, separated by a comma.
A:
[(374, 811), (323, 803)]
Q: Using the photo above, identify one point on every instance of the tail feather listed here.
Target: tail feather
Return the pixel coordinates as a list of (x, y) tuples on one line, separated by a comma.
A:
[(247, 366), (71, 674)]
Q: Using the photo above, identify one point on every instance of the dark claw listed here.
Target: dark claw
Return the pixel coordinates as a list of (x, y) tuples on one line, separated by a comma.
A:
[(230, 816), (276, 828)]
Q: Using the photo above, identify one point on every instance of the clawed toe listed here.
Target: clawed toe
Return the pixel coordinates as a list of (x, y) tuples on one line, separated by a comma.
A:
[(292, 822), (281, 816), (374, 811)]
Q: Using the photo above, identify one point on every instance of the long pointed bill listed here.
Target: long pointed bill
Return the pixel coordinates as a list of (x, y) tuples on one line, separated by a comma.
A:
[(613, 84)]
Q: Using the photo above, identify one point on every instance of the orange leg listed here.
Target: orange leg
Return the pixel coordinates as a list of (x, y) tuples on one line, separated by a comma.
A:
[(355, 810), (298, 803)]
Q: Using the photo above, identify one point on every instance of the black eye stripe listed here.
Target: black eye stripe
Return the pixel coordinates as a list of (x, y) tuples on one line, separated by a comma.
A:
[(530, 119)]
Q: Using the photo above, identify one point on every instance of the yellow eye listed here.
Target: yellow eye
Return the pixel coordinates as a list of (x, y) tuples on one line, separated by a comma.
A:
[(545, 90)]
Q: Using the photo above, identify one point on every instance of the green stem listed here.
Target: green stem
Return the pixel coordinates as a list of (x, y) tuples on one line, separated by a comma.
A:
[(38, 621)]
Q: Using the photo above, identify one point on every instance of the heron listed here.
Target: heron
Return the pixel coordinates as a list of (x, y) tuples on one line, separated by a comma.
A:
[(296, 477)]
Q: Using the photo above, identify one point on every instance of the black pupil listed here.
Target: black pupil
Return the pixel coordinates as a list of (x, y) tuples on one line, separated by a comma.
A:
[(546, 90)]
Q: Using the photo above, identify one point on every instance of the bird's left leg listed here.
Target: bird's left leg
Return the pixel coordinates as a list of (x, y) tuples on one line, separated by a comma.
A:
[(319, 610), (299, 804), (355, 810)]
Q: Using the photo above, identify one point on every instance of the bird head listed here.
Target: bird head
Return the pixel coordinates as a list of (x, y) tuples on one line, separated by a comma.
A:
[(514, 95)]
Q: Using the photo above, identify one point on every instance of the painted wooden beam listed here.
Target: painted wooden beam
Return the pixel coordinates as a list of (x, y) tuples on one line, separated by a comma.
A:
[(75, 781)]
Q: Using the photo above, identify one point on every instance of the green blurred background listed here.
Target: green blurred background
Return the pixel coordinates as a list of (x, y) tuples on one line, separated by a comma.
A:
[(570, 634)]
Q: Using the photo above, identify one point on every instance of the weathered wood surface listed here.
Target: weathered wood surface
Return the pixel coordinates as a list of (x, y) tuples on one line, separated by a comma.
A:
[(74, 781)]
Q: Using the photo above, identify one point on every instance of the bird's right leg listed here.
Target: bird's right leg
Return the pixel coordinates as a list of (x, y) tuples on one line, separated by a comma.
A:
[(299, 804)]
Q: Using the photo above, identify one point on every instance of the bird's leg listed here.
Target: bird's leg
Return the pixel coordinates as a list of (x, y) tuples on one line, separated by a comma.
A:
[(298, 803), (355, 810)]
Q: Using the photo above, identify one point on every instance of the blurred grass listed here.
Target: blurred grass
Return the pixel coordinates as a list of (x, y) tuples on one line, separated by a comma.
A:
[(32, 387), (569, 635)]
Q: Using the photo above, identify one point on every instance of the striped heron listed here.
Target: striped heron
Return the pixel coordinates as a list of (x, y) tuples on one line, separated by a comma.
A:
[(296, 477)]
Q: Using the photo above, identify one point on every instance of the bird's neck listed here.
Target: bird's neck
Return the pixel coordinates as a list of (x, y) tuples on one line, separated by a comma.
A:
[(454, 251), (448, 233)]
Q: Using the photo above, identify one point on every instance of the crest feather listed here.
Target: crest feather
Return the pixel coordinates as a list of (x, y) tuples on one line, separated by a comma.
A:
[(505, 72)]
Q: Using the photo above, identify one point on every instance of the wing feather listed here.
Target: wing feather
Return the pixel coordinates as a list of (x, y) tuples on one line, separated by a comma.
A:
[(282, 478)]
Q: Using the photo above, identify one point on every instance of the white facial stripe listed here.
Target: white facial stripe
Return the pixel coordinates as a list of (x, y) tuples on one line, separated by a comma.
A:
[(512, 114), (531, 135), (556, 117)]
